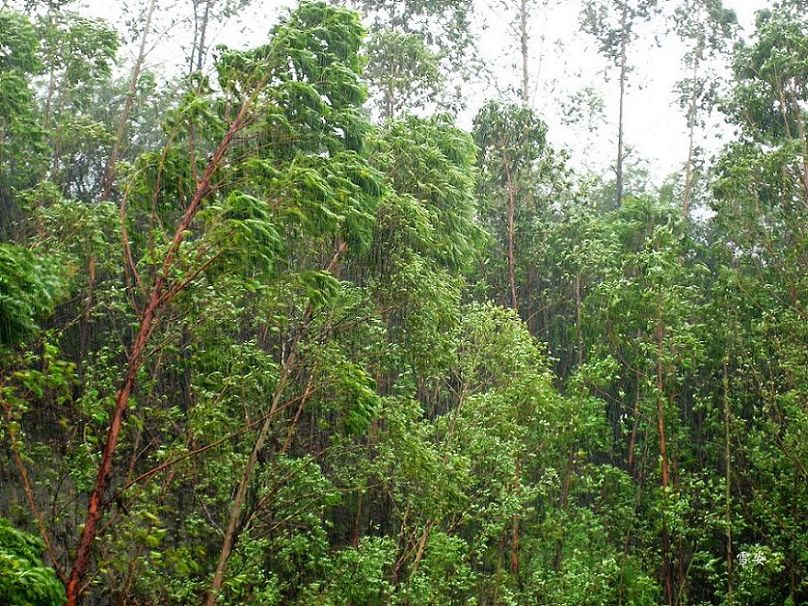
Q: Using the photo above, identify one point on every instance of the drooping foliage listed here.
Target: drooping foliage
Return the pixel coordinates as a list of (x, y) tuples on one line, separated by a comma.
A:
[(24, 579)]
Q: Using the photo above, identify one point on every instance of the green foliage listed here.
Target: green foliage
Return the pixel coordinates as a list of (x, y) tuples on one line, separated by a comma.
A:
[(78, 53), (22, 143), (613, 23), (24, 579), (402, 71), (28, 291), (419, 54), (396, 364), (431, 160)]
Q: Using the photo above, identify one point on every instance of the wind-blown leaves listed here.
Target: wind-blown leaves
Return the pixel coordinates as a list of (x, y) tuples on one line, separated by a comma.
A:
[(24, 579), (28, 292)]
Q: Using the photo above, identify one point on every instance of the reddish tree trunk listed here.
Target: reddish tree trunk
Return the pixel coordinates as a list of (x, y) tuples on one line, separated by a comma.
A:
[(156, 299)]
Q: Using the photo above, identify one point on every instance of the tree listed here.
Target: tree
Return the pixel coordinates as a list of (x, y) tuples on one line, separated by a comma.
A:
[(22, 142), (708, 28), (416, 50), (205, 14), (523, 13), (404, 72), (613, 24), (512, 142)]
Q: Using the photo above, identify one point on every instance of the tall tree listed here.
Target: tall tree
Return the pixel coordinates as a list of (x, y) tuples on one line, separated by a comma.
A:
[(613, 24), (523, 13), (420, 53), (511, 141), (206, 15), (707, 28)]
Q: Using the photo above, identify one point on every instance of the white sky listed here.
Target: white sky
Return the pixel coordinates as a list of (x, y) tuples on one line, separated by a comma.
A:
[(564, 60)]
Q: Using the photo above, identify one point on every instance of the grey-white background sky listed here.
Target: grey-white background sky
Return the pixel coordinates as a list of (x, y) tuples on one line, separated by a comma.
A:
[(564, 61)]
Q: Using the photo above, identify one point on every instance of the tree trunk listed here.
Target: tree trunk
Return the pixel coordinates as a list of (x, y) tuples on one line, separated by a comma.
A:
[(663, 453), (727, 480), (244, 484), (511, 244), (691, 122), (515, 525), (635, 424), (234, 521), (620, 145), (523, 43), (109, 170), (156, 299), (578, 335), (200, 52)]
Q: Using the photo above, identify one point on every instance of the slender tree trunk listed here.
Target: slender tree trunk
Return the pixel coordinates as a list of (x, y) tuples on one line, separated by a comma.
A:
[(578, 336), (156, 299), (663, 453), (515, 525), (635, 424), (200, 52), (49, 99), (525, 51), (623, 74), (356, 535), (511, 233), (565, 493), (192, 58), (663, 446), (235, 519), (691, 121), (389, 104), (244, 484), (801, 131), (419, 552), (109, 171), (727, 482)]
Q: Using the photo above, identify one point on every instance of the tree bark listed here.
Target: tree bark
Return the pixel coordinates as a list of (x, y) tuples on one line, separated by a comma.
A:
[(200, 53), (663, 453), (578, 335), (727, 480), (691, 119), (515, 525), (525, 52)]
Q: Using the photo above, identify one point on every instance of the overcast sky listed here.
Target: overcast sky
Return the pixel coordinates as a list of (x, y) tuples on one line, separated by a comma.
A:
[(564, 61)]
